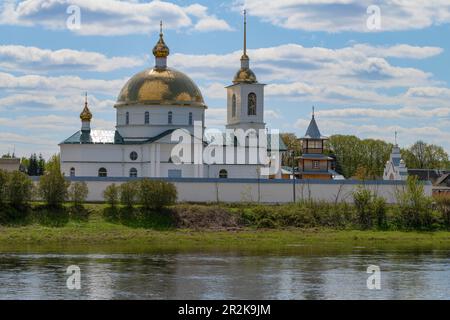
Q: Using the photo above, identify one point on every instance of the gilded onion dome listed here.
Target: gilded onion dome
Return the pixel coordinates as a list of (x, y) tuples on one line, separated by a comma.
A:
[(160, 85), (86, 114), (161, 50), (245, 74)]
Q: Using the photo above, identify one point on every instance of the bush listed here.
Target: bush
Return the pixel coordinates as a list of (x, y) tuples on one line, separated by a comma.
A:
[(53, 187), (19, 189), (362, 199), (443, 206), (414, 208), (78, 193), (156, 194), (379, 209), (3, 187), (128, 194), (111, 195)]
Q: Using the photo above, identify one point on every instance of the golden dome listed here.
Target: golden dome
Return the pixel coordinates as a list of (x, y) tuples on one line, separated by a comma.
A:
[(158, 86), (244, 75), (86, 114)]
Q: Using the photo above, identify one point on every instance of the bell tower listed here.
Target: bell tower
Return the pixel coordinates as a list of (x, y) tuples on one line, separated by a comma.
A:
[(245, 97)]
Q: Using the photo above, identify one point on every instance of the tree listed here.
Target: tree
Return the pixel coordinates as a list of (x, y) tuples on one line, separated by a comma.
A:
[(156, 194), (32, 165), (425, 156), (128, 194), (414, 206), (53, 187), (40, 166), (111, 195), (78, 192), (293, 144), (19, 189), (3, 186)]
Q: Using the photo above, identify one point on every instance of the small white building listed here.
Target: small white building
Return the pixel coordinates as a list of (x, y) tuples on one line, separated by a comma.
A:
[(395, 168), (151, 107)]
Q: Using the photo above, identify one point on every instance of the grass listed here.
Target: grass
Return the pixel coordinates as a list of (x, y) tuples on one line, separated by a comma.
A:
[(98, 233)]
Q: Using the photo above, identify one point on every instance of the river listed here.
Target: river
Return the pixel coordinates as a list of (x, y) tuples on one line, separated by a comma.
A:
[(407, 274)]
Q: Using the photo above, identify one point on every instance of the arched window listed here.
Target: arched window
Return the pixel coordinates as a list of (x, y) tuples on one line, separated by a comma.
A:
[(251, 104), (102, 172), (72, 172), (233, 106), (147, 117), (133, 173), (169, 117), (127, 118), (190, 118), (223, 174), (133, 155)]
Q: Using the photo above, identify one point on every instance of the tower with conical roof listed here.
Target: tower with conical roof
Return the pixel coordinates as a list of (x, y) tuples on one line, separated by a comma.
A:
[(245, 97), (313, 164)]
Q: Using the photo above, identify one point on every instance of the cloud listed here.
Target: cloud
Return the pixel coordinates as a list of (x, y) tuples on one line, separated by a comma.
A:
[(348, 15), (64, 84), (407, 135), (31, 59), (315, 65), (110, 17), (405, 112)]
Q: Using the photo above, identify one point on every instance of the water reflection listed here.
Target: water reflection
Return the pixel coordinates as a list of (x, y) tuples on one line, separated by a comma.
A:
[(405, 275)]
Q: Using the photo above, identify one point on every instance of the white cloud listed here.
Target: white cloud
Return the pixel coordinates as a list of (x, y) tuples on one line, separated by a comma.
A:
[(21, 58), (110, 17), (348, 15), (407, 135), (64, 84)]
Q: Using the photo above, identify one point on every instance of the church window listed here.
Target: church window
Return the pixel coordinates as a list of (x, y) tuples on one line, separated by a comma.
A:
[(102, 172), (127, 118), (133, 173), (233, 106), (169, 117), (133, 155), (251, 104), (190, 118), (72, 172), (223, 174), (147, 117)]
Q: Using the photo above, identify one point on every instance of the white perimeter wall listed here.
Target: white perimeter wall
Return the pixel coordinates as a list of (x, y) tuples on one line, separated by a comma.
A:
[(264, 191)]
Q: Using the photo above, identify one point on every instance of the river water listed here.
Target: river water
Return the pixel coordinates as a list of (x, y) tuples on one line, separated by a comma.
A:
[(407, 274)]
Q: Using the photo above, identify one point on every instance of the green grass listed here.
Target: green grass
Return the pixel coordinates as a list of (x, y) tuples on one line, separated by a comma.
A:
[(98, 234)]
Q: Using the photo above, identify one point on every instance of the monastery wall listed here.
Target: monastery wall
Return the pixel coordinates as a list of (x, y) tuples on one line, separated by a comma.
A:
[(263, 190)]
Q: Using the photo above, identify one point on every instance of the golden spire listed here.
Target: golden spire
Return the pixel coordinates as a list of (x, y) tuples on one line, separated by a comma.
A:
[(86, 114), (160, 50), (244, 55)]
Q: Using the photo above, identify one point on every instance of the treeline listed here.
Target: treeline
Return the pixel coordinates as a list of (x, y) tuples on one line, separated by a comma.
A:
[(365, 158), (59, 198)]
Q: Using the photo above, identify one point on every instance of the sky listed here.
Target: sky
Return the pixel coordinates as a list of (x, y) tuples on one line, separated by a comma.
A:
[(370, 68)]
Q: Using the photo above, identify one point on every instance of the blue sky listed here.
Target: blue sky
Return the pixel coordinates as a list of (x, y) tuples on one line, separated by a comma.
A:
[(369, 83)]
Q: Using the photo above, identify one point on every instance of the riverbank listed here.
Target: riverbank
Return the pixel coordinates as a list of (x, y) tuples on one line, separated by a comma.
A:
[(100, 233)]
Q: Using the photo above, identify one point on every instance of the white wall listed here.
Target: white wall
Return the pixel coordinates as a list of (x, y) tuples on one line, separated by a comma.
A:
[(270, 191)]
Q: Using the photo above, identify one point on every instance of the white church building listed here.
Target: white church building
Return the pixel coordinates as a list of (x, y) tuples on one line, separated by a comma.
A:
[(151, 108)]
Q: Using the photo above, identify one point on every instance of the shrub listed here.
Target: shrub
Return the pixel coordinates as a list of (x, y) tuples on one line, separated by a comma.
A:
[(379, 211), (53, 187), (78, 193), (415, 208), (3, 186), (128, 194), (156, 194), (362, 199), (111, 195), (443, 206), (19, 189)]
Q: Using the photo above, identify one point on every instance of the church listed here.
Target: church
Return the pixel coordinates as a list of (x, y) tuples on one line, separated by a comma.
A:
[(153, 107)]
